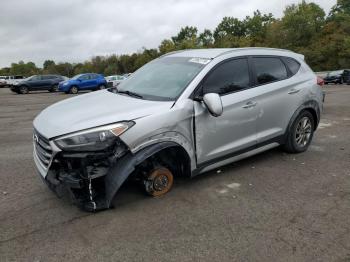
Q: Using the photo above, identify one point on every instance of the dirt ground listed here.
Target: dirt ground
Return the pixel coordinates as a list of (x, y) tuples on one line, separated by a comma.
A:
[(270, 207)]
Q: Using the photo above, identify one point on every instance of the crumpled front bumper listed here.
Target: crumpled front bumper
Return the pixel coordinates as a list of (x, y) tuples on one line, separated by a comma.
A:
[(79, 175)]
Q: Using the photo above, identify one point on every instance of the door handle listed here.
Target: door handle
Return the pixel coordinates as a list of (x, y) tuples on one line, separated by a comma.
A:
[(293, 91), (249, 104)]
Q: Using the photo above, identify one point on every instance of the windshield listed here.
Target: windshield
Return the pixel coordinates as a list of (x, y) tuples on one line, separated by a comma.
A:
[(164, 78), (77, 76), (31, 77)]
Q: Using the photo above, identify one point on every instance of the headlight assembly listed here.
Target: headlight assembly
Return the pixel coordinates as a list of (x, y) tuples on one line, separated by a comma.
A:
[(96, 139)]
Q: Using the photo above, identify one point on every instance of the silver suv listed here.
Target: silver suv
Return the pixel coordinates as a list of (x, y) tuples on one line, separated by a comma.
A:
[(182, 114)]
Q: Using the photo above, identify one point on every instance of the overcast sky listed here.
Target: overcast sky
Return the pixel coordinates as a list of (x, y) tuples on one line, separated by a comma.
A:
[(76, 30)]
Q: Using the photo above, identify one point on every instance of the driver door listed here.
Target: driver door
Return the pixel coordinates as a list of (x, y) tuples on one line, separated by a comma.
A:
[(84, 81), (220, 137), (35, 83)]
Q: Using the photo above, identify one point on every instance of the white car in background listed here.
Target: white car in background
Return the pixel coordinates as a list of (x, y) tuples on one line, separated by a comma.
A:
[(3, 81), (113, 81), (10, 80)]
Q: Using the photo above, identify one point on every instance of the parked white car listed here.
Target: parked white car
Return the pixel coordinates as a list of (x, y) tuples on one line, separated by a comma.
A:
[(113, 81), (10, 80), (3, 82)]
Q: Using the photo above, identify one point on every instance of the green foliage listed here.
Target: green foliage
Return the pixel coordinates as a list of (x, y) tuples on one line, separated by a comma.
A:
[(304, 28), (302, 24), (206, 39), (166, 46), (256, 27), (186, 37)]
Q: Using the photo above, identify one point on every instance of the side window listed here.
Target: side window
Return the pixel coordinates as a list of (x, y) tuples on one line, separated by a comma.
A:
[(231, 76), (93, 76), (84, 77), (36, 78), (47, 77), (269, 69), (292, 64)]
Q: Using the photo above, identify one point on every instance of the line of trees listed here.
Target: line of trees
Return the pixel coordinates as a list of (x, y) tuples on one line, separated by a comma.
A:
[(305, 28)]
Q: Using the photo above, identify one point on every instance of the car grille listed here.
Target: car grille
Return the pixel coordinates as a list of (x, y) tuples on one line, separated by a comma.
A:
[(43, 149), (110, 84)]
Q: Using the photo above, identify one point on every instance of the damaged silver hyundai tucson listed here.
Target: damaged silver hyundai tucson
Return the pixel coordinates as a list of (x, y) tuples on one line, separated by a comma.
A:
[(182, 114)]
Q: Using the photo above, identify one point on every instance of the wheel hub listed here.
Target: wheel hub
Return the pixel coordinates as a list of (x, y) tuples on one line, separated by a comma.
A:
[(160, 182)]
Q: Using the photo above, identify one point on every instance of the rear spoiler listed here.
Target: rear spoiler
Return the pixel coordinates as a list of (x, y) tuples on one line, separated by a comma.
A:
[(302, 57)]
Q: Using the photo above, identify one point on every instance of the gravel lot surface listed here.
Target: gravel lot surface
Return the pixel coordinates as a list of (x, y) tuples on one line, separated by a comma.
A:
[(270, 207)]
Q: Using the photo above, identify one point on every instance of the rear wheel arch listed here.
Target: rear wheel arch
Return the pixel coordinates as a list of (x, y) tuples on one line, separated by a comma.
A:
[(314, 115), (311, 106)]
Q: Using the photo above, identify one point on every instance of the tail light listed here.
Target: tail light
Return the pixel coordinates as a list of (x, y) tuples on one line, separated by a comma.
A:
[(320, 81)]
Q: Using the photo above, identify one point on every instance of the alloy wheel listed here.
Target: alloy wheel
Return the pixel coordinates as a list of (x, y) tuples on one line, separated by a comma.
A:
[(74, 90), (303, 132)]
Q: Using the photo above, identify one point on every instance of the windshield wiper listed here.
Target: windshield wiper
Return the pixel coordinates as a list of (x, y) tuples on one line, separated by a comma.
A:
[(129, 93)]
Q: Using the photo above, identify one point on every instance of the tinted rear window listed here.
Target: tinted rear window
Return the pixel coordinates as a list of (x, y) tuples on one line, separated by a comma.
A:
[(292, 64), (269, 69)]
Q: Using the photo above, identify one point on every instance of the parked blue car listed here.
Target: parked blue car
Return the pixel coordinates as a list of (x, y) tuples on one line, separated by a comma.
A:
[(79, 82)]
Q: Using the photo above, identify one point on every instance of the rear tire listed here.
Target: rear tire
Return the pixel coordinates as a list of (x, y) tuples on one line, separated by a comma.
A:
[(23, 90), (301, 133), (74, 90), (101, 87)]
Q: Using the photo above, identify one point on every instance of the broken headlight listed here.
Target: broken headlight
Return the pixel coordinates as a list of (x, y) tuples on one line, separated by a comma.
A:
[(95, 139)]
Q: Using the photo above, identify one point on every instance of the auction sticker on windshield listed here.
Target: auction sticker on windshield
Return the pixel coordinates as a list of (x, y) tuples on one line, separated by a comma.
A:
[(198, 60)]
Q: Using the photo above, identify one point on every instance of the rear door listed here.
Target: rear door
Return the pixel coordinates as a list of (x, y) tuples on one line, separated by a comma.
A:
[(279, 94), (220, 137), (94, 80), (46, 81)]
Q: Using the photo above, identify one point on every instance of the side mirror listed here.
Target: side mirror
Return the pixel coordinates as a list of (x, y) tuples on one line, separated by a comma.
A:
[(214, 104)]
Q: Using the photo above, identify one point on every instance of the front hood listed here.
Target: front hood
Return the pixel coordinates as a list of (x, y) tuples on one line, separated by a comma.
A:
[(18, 82), (64, 81), (92, 110)]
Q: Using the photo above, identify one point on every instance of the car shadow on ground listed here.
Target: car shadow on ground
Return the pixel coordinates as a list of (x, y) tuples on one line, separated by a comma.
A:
[(132, 192)]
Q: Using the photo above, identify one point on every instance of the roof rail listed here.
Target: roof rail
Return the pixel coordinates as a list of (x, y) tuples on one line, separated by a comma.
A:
[(171, 53), (258, 48)]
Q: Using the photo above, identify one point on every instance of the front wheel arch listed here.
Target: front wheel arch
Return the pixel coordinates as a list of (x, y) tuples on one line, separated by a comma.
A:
[(126, 165), (23, 87)]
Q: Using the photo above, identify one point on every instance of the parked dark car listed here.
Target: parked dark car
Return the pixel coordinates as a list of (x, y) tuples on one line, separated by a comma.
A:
[(338, 77), (38, 82), (89, 81)]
